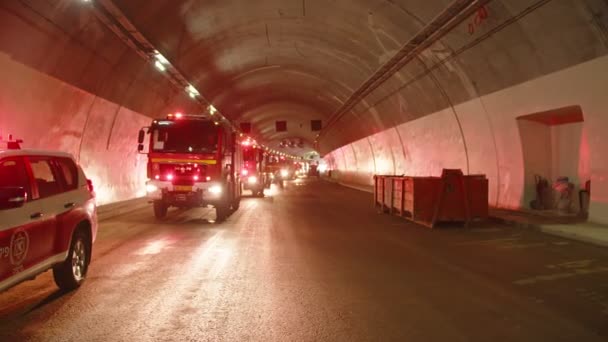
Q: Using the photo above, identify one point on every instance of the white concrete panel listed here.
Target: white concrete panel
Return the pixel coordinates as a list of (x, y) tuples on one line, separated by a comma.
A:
[(382, 148), (480, 142), (366, 166), (432, 143), (50, 114)]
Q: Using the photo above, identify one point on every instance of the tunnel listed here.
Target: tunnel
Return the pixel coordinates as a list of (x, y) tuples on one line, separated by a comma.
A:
[(501, 88)]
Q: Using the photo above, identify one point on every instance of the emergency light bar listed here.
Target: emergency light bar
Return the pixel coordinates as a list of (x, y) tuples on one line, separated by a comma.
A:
[(178, 116), (10, 143)]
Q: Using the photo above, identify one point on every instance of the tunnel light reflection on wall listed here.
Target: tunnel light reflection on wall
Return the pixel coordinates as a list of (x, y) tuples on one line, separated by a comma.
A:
[(212, 109)]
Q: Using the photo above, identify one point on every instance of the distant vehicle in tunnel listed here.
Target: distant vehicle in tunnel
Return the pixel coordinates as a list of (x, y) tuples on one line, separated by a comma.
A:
[(278, 168), (256, 179), (192, 162), (48, 217)]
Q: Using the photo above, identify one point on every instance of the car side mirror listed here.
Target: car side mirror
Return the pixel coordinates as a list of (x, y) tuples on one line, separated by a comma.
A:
[(141, 136), (140, 148), (12, 197)]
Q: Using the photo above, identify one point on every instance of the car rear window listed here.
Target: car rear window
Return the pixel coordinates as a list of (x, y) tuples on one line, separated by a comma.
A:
[(47, 183), (69, 173)]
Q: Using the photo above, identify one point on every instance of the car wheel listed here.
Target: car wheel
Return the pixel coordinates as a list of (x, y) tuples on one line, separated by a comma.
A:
[(160, 210), (70, 274)]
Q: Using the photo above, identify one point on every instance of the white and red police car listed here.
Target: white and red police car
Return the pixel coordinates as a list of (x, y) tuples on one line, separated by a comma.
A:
[(48, 217)]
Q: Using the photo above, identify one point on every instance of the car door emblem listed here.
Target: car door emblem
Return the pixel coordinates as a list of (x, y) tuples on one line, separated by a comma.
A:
[(20, 243)]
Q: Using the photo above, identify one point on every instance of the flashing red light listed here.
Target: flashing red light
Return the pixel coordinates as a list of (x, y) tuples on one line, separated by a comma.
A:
[(208, 178), (246, 143), (157, 177), (178, 115), (195, 177), (244, 172), (90, 186), (169, 177)]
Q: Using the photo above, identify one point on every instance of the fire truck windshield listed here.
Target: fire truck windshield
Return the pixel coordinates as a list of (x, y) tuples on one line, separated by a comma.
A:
[(249, 154), (185, 137)]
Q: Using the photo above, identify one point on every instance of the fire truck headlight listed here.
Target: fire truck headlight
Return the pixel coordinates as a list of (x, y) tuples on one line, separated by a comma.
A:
[(215, 189), (151, 188), (252, 180), (284, 173)]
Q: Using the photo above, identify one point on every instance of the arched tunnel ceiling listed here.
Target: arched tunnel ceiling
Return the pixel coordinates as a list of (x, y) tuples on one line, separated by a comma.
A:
[(298, 60), (262, 61)]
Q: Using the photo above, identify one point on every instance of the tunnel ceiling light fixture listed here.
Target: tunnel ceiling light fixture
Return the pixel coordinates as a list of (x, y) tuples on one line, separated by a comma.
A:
[(192, 91), (159, 66), (159, 57)]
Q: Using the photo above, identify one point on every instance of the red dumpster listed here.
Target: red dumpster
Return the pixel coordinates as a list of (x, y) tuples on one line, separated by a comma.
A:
[(384, 192), (428, 200)]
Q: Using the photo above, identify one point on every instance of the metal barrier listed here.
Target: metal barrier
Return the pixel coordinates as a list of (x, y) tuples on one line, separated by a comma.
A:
[(453, 197)]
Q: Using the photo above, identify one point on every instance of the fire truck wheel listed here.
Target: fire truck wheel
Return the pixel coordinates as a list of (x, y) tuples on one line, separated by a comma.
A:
[(221, 212), (160, 210), (236, 204)]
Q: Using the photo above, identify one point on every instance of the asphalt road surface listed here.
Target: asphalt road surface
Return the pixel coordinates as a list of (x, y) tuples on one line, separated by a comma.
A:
[(315, 262)]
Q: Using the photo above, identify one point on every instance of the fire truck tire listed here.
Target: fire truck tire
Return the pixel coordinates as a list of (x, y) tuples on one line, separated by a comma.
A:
[(72, 272), (221, 211), (160, 210), (236, 204)]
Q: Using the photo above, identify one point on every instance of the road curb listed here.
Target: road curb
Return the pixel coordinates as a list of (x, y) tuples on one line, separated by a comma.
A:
[(112, 210), (549, 230), (515, 223)]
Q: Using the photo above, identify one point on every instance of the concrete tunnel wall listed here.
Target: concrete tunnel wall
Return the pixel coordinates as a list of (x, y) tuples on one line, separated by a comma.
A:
[(85, 87), (490, 141), (50, 114)]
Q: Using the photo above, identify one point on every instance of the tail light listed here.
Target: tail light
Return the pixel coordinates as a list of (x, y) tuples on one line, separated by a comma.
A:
[(90, 187), (153, 169)]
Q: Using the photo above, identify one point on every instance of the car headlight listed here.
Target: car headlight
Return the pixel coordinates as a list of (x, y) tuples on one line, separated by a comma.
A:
[(215, 189), (252, 180), (151, 188), (284, 173)]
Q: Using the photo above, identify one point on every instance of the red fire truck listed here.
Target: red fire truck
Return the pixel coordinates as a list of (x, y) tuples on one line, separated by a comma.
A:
[(254, 176), (192, 162)]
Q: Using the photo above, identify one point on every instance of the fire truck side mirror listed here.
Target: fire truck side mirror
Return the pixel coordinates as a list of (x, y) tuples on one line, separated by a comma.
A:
[(141, 136), (140, 148)]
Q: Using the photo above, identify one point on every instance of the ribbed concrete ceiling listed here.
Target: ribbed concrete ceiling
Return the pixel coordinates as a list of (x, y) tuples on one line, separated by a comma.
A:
[(262, 61)]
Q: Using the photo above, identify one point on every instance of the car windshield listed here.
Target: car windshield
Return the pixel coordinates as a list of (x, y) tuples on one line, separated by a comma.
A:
[(185, 137)]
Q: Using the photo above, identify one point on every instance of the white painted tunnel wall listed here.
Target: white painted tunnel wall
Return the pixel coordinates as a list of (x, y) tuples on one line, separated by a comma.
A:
[(491, 135), (52, 115)]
